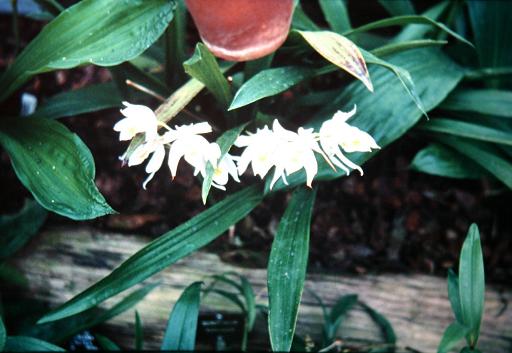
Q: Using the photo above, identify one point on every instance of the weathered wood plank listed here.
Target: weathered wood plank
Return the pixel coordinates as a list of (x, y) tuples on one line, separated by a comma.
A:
[(62, 262)]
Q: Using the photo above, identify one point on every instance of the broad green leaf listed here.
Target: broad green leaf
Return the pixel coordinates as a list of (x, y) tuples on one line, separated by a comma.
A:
[(139, 335), (454, 295), (84, 100), (403, 76), (490, 21), (3, 335), (287, 268), (268, 83), (437, 159), (486, 155), (388, 113), (252, 67), (336, 15), (203, 67), (483, 101), (59, 331), (225, 141), (398, 8), (383, 322), (29, 344), (404, 20), (338, 312), (164, 251), (103, 33), (452, 335), (468, 130), (393, 48), (341, 52), (106, 343), (180, 334), (472, 283), (55, 165), (17, 229)]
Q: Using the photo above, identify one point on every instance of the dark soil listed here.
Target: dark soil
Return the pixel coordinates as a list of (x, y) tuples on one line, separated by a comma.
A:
[(391, 219)]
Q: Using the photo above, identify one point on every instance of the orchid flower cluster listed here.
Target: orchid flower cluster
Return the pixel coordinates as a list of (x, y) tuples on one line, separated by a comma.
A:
[(284, 150)]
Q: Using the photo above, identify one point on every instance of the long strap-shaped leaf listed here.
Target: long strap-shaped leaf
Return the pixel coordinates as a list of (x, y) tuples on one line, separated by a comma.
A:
[(164, 251), (101, 32), (180, 334), (287, 268)]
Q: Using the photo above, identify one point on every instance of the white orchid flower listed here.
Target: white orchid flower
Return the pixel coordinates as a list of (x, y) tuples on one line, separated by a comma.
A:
[(259, 152), (140, 154), (295, 152), (138, 118), (336, 133), (195, 149), (225, 168)]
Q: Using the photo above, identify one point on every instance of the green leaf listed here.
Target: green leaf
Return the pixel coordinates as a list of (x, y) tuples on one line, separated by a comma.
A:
[(404, 20), (106, 343), (486, 155), (472, 283), (468, 130), (483, 101), (341, 52), (383, 322), (490, 21), (418, 31), (3, 335), (401, 46), (398, 8), (59, 331), (268, 83), (55, 165), (336, 15), (287, 268), (388, 113), (203, 67), (139, 335), (454, 295), (180, 334), (84, 100), (437, 159), (104, 33), (29, 344), (342, 306), (175, 45), (164, 251), (250, 302), (403, 76), (452, 335), (17, 229), (225, 141)]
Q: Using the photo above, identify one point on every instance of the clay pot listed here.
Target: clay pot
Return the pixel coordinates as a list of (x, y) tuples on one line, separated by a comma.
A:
[(241, 30)]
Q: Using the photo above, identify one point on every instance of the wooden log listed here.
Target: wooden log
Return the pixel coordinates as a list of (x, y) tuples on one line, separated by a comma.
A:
[(62, 262)]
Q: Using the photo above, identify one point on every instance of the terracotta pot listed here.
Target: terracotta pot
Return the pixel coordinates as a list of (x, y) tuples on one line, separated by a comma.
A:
[(241, 30)]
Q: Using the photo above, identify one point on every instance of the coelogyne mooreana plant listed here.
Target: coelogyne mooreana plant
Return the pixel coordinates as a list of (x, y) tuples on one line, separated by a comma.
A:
[(284, 150), (298, 70)]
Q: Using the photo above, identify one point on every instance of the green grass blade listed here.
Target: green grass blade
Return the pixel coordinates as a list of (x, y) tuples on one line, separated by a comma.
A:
[(106, 343), (338, 312), (398, 8), (393, 48), (452, 335), (383, 322), (139, 335), (287, 268), (336, 15), (454, 295), (180, 334), (164, 251), (29, 344)]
